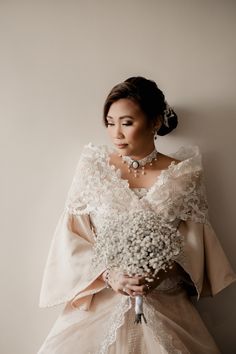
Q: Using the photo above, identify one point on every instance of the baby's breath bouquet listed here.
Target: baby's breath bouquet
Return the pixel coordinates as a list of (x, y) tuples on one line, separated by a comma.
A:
[(137, 242)]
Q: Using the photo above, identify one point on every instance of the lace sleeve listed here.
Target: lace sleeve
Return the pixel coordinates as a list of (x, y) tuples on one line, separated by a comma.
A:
[(194, 206), (77, 197)]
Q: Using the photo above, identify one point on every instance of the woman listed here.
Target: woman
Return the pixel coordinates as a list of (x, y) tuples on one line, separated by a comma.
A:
[(133, 177)]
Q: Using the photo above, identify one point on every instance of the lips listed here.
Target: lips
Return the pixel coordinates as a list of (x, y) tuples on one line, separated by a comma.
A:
[(121, 145)]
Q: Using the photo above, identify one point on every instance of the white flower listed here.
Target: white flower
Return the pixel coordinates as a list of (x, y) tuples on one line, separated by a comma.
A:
[(137, 242)]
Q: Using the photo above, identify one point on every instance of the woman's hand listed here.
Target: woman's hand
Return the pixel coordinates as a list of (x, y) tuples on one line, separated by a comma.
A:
[(138, 285), (125, 284)]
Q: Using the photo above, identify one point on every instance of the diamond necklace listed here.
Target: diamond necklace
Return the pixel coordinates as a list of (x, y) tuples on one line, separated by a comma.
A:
[(135, 164)]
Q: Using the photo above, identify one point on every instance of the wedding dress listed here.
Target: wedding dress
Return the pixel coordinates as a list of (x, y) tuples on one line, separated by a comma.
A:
[(95, 319)]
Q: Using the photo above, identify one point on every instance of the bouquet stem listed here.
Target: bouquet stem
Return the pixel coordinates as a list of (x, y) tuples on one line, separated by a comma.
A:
[(139, 310)]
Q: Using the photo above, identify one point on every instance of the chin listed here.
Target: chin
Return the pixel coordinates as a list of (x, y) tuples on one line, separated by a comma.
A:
[(125, 150)]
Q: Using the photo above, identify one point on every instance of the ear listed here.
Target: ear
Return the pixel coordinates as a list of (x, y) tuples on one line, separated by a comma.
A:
[(157, 124)]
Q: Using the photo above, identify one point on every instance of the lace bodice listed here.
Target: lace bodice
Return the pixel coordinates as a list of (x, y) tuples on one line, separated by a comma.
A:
[(140, 192), (98, 189)]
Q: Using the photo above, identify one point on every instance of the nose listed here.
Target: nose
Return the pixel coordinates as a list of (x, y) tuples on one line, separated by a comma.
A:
[(118, 134)]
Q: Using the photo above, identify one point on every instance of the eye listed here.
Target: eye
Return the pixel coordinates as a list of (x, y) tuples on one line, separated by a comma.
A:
[(128, 123), (110, 124)]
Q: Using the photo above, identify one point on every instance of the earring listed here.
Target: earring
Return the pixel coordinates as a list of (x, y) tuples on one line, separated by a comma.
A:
[(155, 131), (155, 134)]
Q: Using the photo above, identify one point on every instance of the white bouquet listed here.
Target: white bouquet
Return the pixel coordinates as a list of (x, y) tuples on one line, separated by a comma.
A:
[(137, 242)]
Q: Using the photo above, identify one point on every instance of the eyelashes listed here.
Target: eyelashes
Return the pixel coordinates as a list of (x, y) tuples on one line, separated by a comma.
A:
[(127, 124)]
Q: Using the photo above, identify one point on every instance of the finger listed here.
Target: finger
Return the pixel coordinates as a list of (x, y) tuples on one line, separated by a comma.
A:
[(136, 288), (135, 276), (127, 292), (139, 294), (142, 289), (143, 275), (136, 281), (130, 292)]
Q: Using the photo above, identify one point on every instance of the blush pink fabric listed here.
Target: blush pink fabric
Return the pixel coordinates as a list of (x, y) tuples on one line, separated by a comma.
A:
[(96, 320)]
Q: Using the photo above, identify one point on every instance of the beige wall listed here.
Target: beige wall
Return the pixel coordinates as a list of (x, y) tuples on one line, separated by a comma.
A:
[(59, 59)]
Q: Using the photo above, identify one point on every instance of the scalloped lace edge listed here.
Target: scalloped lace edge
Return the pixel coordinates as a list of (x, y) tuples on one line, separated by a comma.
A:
[(116, 321)]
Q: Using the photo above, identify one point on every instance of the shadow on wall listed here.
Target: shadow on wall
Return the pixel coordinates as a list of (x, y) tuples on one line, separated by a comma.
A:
[(213, 128), (217, 313), (209, 125)]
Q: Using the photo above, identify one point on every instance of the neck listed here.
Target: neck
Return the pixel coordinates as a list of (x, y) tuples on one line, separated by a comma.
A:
[(144, 153)]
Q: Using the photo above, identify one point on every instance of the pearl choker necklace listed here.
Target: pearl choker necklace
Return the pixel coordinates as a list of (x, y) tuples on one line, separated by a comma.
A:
[(135, 164)]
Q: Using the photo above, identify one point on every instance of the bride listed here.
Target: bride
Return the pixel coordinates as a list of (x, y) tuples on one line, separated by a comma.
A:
[(119, 186)]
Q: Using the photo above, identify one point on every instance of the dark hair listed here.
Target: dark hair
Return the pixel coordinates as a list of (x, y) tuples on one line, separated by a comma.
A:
[(148, 96)]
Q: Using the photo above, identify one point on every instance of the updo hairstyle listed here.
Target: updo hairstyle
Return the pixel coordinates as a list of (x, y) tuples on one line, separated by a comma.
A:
[(150, 99)]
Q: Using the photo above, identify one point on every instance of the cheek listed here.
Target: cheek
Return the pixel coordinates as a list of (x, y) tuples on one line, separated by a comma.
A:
[(109, 131), (136, 132), (140, 133)]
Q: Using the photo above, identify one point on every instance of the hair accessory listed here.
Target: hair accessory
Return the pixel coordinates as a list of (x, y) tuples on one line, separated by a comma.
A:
[(168, 114), (135, 165)]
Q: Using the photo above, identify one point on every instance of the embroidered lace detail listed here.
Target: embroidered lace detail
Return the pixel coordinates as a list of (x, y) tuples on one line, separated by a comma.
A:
[(156, 323), (98, 190), (181, 191), (140, 192), (135, 336), (178, 193), (116, 321), (93, 185)]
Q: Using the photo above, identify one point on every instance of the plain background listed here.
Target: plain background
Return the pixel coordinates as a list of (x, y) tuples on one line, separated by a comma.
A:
[(59, 60)]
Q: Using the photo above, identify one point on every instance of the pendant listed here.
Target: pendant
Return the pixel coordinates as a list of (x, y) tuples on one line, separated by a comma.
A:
[(135, 164)]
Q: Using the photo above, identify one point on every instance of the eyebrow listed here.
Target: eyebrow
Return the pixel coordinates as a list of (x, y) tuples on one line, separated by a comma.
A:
[(121, 117)]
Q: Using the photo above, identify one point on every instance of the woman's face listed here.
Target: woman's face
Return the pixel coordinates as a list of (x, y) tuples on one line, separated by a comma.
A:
[(128, 128)]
